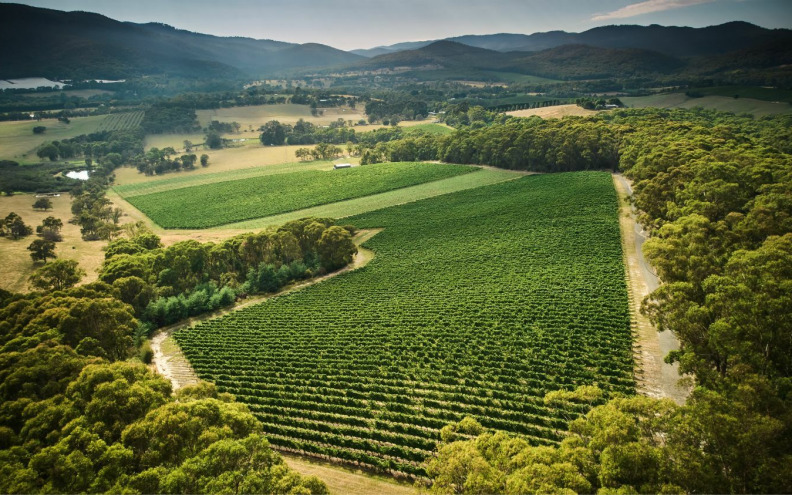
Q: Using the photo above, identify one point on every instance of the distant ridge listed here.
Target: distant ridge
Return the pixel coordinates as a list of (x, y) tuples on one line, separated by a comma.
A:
[(669, 40), (86, 45)]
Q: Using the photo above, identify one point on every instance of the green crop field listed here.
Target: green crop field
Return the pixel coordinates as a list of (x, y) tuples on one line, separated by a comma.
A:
[(477, 304), (210, 205), (433, 129), (753, 106), (121, 121)]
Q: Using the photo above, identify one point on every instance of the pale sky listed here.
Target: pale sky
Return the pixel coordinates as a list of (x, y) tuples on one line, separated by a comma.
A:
[(349, 24)]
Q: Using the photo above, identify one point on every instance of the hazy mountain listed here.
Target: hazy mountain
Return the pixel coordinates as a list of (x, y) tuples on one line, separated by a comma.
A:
[(563, 62), (52, 43), (669, 40)]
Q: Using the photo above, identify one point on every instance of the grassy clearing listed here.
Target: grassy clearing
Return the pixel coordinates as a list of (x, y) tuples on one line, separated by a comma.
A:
[(722, 103), (221, 203), (17, 141), (342, 209), (554, 112), (477, 303), (252, 117), (16, 263), (433, 129), (757, 93), (341, 480), (188, 179), (225, 160)]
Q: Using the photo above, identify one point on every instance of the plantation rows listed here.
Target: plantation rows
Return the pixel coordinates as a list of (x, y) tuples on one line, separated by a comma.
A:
[(121, 121), (209, 205), (477, 304)]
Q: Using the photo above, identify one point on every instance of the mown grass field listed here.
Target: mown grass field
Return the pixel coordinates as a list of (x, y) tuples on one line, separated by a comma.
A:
[(477, 304), (713, 102), (554, 112), (220, 203), (17, 141), (286, 113)]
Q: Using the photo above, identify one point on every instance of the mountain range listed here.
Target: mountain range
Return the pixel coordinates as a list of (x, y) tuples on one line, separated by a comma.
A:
[(73, 45)]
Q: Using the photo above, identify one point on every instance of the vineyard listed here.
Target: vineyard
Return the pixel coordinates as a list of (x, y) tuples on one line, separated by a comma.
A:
[(477, 304), (209, 205), (121, 121)]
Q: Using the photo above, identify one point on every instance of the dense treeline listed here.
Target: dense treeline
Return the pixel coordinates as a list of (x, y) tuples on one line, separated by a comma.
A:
[(165, 285), (714, 192), (80, 413), (76, 417), (165, 117)]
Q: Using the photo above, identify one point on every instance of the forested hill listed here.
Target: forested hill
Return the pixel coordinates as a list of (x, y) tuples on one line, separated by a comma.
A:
[(669, 40), (56, 44)]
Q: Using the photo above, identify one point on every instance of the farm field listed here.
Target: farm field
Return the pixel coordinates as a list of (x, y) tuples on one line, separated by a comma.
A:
[(357, 206), (758, 108), (121, 121), (220, 203), (286, 113), (224, 160), (554, 112), (17, 141), (477, 304)]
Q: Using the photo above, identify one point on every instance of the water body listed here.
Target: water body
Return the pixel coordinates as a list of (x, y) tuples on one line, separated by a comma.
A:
[(81, 175)]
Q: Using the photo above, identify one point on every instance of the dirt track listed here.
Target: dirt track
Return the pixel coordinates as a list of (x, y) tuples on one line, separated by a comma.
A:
[(655, 377)]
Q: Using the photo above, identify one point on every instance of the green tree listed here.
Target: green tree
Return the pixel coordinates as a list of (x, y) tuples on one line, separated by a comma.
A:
[(213, 140), (15, 227), (39, 129), (43, 204), (58, 275), (49, 151), (204, 160), (335, 248), (41, 249), (272, 133)]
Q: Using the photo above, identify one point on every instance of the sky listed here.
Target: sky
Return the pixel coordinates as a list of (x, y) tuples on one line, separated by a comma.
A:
[(350, 24)]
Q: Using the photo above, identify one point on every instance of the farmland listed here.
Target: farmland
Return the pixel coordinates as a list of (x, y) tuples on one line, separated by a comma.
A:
[(477, 304), (755, 107), (17, 141), (121, 121), (209, 205), (252, 117)]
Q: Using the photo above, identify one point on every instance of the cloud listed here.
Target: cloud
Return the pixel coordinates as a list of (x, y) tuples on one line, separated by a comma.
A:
[(647, 7)]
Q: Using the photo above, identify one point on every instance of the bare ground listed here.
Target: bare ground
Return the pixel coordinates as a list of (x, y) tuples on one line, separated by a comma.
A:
[(343, 480), (655, 377)]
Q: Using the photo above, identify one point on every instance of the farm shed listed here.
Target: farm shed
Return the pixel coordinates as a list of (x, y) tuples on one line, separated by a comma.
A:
[(342, 165)]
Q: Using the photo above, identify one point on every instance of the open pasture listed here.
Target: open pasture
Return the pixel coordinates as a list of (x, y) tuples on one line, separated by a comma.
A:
[(755, 107), (253, 117), (220, 203), (17, 141), (224, 160), (477, 304), (17, 265)]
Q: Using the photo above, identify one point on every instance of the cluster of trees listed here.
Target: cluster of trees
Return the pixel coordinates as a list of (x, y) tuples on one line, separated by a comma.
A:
[(322, 151), (167, 117), (161, 161), (598, 103), (92, 211), (14, 227), (273, 133), (106, 149), (397, 106), (165, 285), (714, 192), (77, 416)]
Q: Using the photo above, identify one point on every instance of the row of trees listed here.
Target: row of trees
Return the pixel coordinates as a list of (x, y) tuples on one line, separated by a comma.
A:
[(273, 133), (714, 192), (165, 285), (162, 161)]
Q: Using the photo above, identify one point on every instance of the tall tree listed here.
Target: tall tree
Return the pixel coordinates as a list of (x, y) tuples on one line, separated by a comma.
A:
[(58, 275), (41, 249)]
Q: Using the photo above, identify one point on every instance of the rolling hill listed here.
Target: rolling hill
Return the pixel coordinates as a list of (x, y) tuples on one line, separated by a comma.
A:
[(669, 40), (86, 45)]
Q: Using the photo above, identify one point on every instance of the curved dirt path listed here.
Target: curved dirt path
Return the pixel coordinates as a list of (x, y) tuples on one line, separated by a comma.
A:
[(168, 359), (655, 377)]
